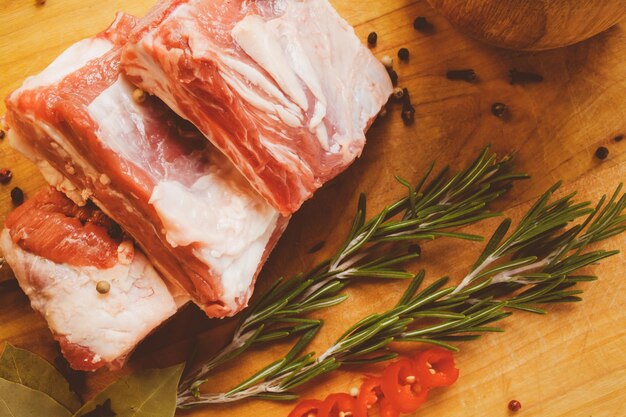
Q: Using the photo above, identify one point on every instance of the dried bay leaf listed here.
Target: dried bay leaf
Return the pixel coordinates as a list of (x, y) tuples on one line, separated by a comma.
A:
[(21, 401), (25, 368), (149, 393)]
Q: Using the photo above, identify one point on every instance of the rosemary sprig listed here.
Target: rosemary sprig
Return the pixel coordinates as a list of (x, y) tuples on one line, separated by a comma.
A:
[(536, 264), (378, 248)]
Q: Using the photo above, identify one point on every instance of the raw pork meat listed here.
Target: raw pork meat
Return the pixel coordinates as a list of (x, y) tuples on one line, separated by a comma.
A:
[(198, 220), (59, 252), (283, 87)]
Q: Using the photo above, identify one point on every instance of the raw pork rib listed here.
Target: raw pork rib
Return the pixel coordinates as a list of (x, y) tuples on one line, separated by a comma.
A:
[(283, 87), (196, 217), (59, 252)]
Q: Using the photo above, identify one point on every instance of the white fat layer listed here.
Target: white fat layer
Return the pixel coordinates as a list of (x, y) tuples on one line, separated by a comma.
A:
[(228, 224), (109, 325), (50, 174), (72, 59)]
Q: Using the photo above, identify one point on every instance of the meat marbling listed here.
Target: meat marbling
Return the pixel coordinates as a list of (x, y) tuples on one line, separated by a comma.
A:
[(197, 219), (283, 87), (59, 252)]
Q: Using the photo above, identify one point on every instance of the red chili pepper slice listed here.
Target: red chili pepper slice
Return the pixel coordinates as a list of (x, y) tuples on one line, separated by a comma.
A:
[(306, 408), (387, 409), (435, 368), (369, 394), (337, 403), (402, 387)]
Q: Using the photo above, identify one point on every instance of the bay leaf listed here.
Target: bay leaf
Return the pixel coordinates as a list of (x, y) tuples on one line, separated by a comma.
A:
[(149, 393), (18, 400), (25, 368)]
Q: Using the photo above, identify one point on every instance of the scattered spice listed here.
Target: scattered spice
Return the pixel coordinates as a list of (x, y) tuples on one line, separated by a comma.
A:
[(387, 61), (499, 109), (468, 75), (317, 247), (521, 77), (416, 249), (515, 405), (421, 24), (5, 176), (2, 134), (408, 111), (17, 196), (139, 95), (404, 54), (372, 39), (618, 138), (602, 152), (393, 75), (398, 93), (103, 287), (40, 2)]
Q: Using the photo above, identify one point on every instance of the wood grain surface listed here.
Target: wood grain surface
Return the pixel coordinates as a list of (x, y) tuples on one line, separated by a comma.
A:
[(569, 363), (532, 24)]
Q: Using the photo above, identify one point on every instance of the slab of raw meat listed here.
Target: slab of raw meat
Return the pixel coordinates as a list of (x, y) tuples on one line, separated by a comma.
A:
[(283, 87), (59, 252), (198, 220)]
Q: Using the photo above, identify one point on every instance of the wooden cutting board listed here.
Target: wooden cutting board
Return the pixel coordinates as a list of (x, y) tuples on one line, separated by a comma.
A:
[(569, 363)]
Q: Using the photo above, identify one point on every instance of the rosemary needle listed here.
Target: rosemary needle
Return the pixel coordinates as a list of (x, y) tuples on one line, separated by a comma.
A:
[(536, 263), (378, 248)]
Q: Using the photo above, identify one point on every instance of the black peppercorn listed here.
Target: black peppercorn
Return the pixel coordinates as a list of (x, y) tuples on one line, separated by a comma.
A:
[(499, 109), (520, 77), (602, 152), (468, 75), (422, 25), (393, 75), (618, 138), (5, 176), (408, 111), (2, 134), (372, 38), (515, 405), (403, 54), (17, 196)]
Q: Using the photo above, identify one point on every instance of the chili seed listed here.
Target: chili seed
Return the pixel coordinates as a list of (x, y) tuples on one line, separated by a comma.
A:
[(103, 287), (372, 39), (2, 134), (393, 75), (387, 61), (499, 109), (404, 54), (17, 196), (521, 77), (515, 405), (618, 138), (421, 24), (602, 152), (5, 176), (468, 75)]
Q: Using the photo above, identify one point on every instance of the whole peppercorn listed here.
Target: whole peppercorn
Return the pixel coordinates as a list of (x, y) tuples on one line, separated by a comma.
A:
[(387, 61), (499, 109), (139, 95), (403, 54), (17, 196), (421, 24), (103, 287), (393, 75), (2, 134), (602, 152), (515, 405), (5, 176), (372, 39)]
